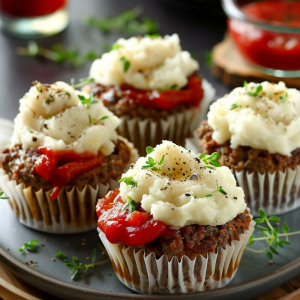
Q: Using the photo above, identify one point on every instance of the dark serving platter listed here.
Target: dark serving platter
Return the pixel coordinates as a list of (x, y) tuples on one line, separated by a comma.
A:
[(255, 276)]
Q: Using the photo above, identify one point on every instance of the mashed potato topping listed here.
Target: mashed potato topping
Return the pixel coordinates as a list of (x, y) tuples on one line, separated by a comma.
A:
[(59, 117), (145, 63), (262, 116), (183, 192)]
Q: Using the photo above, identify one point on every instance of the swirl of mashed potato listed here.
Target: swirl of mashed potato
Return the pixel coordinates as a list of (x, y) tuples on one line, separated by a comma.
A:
[(262, 116), (145, 63), (62, 118), (183, 192)]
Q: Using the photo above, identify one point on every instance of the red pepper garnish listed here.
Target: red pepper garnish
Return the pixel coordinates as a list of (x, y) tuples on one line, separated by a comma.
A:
[(132, 229), (60, 167)]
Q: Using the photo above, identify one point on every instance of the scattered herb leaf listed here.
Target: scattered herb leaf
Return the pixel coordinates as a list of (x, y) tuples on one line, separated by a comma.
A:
[(103, 118), (257, 91), (283, 98), (129, 181), (3, 197), (82, 82), (130, 205), (234, 106), (210, 159), (126, 63), (30, 246), (60, 255), (218, 189)]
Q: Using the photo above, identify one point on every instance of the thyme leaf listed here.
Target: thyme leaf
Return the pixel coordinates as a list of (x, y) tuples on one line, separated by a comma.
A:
[(3, 197), (129, 181), (210, 159), (30, 246)]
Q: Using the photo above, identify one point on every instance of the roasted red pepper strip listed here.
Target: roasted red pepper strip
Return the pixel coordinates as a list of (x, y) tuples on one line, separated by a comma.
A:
[(60, 167), (132, 229)]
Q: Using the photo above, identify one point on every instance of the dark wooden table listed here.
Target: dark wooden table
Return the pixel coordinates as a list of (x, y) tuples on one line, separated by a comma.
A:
[(200, 27)]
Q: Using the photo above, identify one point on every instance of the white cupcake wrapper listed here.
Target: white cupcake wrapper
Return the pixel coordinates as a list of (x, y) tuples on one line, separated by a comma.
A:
[(72, 212), (149, 275), (176, 128), (275, 193)]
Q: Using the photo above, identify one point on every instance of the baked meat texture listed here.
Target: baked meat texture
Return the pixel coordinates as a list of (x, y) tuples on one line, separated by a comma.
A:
[(245, 158), (193, 240), (20, 166)]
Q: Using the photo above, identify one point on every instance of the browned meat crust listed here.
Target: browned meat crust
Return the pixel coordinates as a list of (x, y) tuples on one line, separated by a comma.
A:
[(19, 165), (245, 158), (193, 240)]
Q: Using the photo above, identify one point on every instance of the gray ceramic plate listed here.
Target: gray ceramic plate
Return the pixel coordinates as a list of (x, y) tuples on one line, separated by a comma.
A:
[(254, 276)]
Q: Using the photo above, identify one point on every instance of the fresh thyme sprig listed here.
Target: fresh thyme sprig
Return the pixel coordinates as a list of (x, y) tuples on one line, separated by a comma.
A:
[(126, 22), (208, 58), (283, 98), (129, 181), (82, 82), (126, 63), (30, 246), (210, 159), (218, 189), (3, 197), (89, 100), (270, 234), (130, 205), (234, 106), (76, 266), (58, 54), (253, 94), (151, 163)]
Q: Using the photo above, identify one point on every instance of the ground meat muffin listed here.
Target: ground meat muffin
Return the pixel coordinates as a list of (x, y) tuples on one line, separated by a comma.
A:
[(255, 129), (177, 224), (153, 86), (63, 155)]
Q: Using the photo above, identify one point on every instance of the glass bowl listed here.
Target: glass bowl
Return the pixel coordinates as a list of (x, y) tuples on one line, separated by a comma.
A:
[(267, 33)]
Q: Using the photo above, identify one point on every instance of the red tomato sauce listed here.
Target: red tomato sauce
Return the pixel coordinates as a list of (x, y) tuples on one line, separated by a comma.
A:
[(132, 229), (276, 50), (60, 167), (191, 95), (30, 8)]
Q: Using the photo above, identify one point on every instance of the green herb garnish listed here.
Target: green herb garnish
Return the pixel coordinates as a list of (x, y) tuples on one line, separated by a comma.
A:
[(103, 118), (130, 205), (82, 82), (129, 181), (58, 54), (42, 124), (37, 87), (283, 98), (60, 255), (126, 63), (126, 22), (270, 234), (210, 159), (76, 266), (30, 246), (208, 58), (3, 197), (218, 189), (234, 106), (149, 149), (48, 101), (257, 91), (86, 101), (115, 46), (174, 87), (90, 119), (153, 164)]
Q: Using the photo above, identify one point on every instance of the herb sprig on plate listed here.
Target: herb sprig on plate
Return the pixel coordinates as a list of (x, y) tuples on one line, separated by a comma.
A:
[(76, 266), (129, 181), (29, 246), (273, 235)]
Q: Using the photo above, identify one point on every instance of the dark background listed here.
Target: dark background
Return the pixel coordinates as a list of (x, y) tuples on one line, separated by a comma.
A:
[(200, 24)]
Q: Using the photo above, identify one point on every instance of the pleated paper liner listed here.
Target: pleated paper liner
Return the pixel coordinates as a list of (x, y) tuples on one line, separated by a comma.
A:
[(275, 193), (72, 212), (176, 128), (149, 275)]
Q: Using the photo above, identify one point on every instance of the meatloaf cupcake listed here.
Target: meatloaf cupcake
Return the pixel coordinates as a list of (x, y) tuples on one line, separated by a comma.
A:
[(176, 225), (256, 131), (64, 154), (153, 87)]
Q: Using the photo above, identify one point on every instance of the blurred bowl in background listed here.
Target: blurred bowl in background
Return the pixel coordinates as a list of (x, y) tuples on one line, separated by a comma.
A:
[(267, 33)]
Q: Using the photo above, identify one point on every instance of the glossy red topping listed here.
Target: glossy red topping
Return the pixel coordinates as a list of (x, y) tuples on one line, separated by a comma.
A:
[(132, 229), (191, 95), (60, 167), (276, 50)]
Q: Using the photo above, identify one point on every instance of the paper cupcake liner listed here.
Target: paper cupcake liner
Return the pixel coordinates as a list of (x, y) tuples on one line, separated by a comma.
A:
[(149, 275), (275, 193), (72, 212), (176, 128)]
